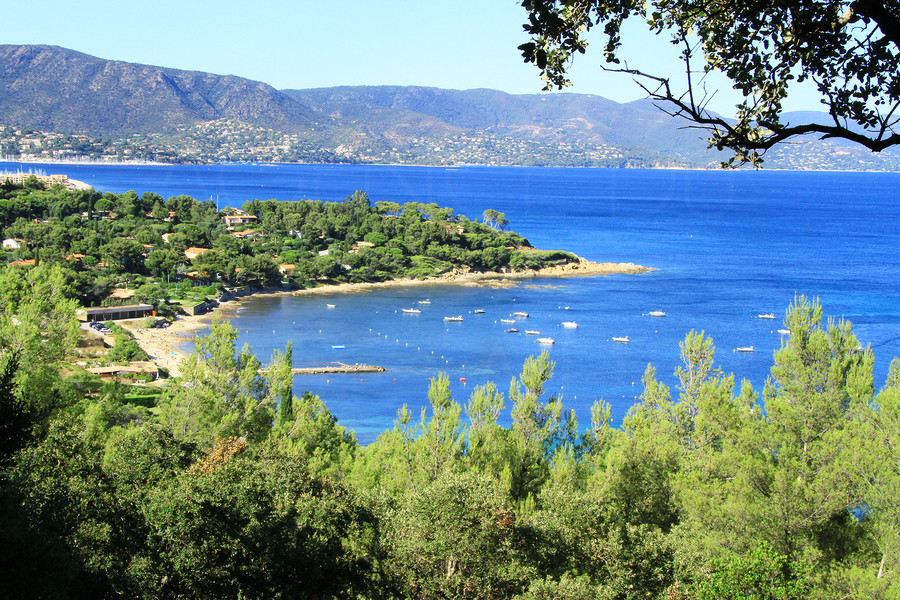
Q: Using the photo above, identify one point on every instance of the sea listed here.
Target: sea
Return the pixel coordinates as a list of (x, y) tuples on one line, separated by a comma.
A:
[(725, 246)]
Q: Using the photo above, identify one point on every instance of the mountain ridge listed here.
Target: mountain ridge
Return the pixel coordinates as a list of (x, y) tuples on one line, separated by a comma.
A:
[(193, 116)]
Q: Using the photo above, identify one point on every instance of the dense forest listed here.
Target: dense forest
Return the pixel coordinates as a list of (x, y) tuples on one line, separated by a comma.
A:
[(228, 484)]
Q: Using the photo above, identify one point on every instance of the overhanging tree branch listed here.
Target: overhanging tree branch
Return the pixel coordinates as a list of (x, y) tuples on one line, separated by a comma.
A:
[(849, 49)]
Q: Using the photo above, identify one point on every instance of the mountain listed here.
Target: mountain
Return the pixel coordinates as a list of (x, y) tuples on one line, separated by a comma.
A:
[(55, 89), (141, 111), (547, 118)]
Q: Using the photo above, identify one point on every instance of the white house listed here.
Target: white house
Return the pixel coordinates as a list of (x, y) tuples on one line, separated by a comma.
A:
[(13, 243)]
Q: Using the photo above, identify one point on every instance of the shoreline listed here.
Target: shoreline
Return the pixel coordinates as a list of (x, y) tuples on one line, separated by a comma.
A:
[(167, 347)]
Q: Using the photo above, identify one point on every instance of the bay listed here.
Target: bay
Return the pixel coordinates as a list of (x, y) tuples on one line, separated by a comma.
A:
[(727, 246)]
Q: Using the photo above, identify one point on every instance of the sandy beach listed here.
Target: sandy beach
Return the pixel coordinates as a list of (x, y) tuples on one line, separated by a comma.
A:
[(166, 347)]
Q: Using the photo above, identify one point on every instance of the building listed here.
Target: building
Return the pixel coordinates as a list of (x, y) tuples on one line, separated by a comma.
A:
[(232, 220), (129, 371), (117, 313), (193, 252), (13, 243)]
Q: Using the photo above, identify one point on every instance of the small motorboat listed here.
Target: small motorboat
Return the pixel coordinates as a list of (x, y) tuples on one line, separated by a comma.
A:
[(532, 332), (507, 321), (454, 319), (426, 301), (521, 314), (621, 339), (569, 324), (412, 311), (330, 305), (744, 349), (546, 340), (512, 330), (479, 311), (338, 347), (656, 313), (766, 316)]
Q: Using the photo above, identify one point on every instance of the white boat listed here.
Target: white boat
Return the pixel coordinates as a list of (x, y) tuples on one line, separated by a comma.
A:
[(507, 321), (512, 330), (569, 324), (479, 311), (425, 301), (338, 347), (744, 349), (623, 340), (520, 314), (545, 340), (532, 332), (656, 313), (766, 316), (459, 318), (330, 305), (784, 331), (413, 311)]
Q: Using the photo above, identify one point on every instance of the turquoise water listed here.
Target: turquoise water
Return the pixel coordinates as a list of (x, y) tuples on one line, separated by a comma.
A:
[(727, 245)]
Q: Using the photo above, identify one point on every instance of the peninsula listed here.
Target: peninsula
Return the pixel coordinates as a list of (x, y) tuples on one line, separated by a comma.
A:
[(169, 260)]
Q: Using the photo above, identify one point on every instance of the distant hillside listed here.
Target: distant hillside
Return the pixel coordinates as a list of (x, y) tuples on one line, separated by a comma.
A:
[(55, 89), (545, 118), (114, 110)]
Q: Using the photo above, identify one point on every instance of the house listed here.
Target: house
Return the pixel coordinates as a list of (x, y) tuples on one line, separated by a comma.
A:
[(23, 263), (287, 269), (245, 235), (13, 243), (130, 370), (193, 252), (232, 220), (122, 294)]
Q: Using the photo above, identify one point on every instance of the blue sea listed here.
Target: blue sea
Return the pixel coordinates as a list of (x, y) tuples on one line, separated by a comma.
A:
[(726, 246)]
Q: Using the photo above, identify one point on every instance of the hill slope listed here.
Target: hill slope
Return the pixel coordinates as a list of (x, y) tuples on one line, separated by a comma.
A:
[(188, 116), (55, 89)]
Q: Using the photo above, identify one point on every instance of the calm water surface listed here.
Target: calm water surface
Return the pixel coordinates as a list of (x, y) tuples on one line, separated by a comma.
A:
[(727, 246)]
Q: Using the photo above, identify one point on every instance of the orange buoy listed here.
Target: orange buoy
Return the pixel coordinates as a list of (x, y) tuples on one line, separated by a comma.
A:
[(463, 379)]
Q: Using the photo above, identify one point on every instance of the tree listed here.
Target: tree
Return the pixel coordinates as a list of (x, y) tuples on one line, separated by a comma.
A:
[(849, 49), (494, 219), (220, 392)]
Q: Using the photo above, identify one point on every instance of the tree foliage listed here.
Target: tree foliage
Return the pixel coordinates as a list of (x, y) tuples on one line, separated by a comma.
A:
[(848, 49)]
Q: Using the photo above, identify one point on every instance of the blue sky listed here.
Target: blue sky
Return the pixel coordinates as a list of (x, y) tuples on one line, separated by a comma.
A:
[(462, 44)]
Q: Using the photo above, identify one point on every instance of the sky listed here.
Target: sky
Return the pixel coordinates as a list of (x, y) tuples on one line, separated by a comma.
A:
[(463, 44)]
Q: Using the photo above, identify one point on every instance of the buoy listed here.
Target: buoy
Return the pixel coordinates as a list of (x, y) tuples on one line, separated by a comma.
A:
[(463, 379), (360, 380), (395, 379)]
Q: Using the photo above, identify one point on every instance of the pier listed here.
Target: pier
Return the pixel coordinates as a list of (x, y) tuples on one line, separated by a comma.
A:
[(337, 368)]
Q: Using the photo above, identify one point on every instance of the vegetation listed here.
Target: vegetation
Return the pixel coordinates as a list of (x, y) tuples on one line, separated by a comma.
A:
[(180, 251), (229, 485), (847, 49), (224, 483)]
